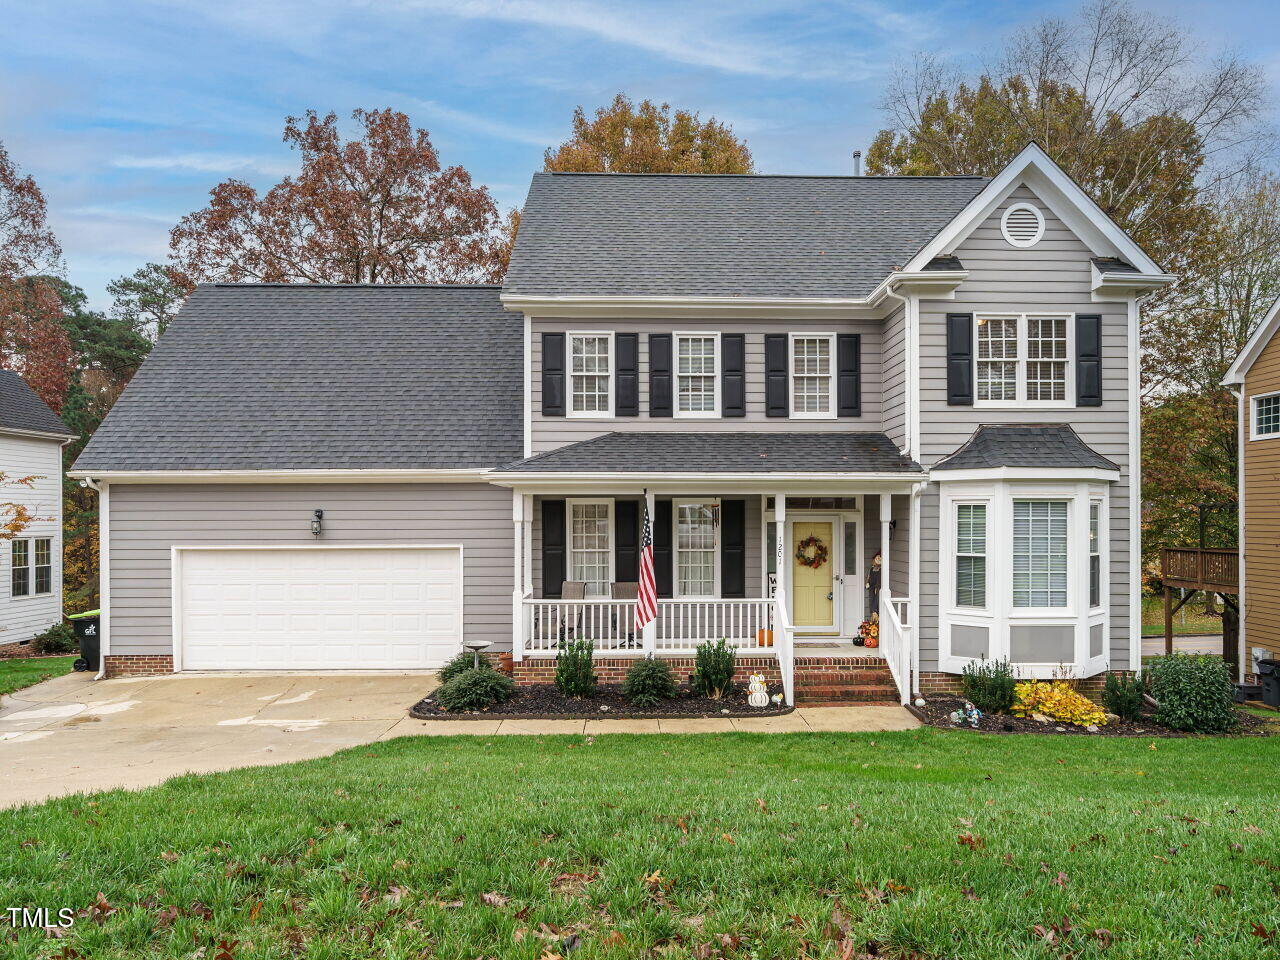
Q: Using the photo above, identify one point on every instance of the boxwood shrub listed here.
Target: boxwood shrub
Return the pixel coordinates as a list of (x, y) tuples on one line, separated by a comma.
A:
[(989, 685), (474, 689), (575, 668), (464, 661), (1122, 695), (1194, 691), (713, 667), (649, 682)]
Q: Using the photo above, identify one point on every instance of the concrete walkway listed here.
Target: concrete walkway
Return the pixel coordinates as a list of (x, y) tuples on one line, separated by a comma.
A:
[(72, 734)]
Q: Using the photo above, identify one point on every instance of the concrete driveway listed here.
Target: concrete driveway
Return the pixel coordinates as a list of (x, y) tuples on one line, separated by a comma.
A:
[(73, 734)]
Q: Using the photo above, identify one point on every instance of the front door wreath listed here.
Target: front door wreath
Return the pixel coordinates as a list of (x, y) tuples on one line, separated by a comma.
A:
[(812, 553)]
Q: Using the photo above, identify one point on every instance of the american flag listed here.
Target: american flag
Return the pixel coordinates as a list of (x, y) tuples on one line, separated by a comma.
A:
[(647, 594)]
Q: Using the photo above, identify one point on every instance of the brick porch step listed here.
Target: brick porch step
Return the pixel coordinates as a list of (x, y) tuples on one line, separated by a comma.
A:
[(847, 694), (844, 680)]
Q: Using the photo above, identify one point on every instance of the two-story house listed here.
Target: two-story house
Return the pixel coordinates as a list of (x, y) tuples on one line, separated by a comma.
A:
[(833, 397)]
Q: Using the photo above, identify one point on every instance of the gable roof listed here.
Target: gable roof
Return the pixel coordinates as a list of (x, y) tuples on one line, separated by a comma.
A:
[(1050, 445), (22, 411), (764, 452), (323, 377), (1254, 346), (725, 235)]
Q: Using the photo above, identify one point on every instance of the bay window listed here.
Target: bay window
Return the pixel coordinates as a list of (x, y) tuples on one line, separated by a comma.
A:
[(591, 545), (590, 374), (1039, 553), (1095, 553), (812, 375), (697, 375), (695, 548), (971, 555), (1023, 359)]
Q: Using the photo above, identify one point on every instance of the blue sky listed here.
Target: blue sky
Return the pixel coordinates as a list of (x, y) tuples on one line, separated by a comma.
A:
[(127, 112)]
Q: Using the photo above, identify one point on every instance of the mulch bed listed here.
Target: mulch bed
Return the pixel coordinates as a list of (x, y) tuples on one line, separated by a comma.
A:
[(937, 710), (542, 701)]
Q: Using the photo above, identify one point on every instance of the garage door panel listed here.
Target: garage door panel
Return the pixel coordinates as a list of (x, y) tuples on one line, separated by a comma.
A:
[(375, 608)]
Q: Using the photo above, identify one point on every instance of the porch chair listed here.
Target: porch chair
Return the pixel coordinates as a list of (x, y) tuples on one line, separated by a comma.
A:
[(625, 590), (568, 627)]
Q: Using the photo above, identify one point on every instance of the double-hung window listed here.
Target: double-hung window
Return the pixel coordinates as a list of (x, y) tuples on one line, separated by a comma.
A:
[(1040, 553), (813, 375), (1266, 416), (1095, 553), (31, 567), (1024, 359), (697, 379), (695, 544), (590, 375), (591, 545), (971, 555)]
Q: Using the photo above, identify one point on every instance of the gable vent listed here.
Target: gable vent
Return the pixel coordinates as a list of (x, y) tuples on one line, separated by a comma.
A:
[(1022, 225)]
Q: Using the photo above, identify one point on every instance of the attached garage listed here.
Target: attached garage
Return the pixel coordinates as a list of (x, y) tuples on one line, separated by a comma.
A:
[(313, 607)]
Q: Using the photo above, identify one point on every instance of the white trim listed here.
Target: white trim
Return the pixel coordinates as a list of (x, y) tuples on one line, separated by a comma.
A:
[(1015, 208), (1257, 341), (175, 576), (1057, 191), (995, 474), (55, 550), (1022, 326), (62, 438), (1119, 287), (527, 417), (104, 575), (476, 475), (570, 503), (830, 413), (676, 504), (1241, 534), (1253, 417), (676, 412), (569, 412), (1134, 467)]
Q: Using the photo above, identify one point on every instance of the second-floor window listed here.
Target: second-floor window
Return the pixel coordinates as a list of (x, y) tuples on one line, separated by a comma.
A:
[(812, 376), (590, 375), (1266, 416), (697, 375), (1024, 359)]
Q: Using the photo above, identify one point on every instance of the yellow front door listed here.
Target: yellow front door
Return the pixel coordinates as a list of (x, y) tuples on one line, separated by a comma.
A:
[(811, 587)]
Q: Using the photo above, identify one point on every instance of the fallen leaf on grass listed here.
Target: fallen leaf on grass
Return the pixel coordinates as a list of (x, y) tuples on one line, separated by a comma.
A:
[(970, 840), (1250, 828), (764, 807), (1221, 890), (495, 899), (1262, 933)]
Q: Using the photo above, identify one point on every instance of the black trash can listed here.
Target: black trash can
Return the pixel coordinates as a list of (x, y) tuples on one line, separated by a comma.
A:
[(1269, 674), (86, 626)]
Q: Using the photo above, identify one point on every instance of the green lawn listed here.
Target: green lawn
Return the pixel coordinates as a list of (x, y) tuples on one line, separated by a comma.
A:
[(16, 674), (924, 844), (1189, 620)]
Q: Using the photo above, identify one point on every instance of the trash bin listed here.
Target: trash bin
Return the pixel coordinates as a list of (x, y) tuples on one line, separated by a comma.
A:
[(86, 627), (1269, 674)]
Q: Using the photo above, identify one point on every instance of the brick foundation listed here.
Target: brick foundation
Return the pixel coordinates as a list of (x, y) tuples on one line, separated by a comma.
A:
[(949, 683), (122, 665), (18, 648)]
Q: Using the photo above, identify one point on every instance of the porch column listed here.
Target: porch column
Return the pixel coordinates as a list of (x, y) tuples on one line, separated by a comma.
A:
[(886, 515), (782, 565), (649, 633), (518, 576)]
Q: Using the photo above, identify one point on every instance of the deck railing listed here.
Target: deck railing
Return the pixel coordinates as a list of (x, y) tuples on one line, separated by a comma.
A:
[(1210, 568), (897, 643), (681, 624)]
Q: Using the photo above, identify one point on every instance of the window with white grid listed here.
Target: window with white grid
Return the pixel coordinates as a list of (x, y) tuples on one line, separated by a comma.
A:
[(1046, 358), (1266, 416), (971, 555), (1095, 554), (696, 375), (1039, 553), (812, 376), (590, 545), (997, 358), (696, 549), (591, 374)]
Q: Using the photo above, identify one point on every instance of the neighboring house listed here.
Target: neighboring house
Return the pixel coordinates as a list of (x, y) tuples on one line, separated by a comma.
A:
[(31, 442), (1255, 379), (790, 375)]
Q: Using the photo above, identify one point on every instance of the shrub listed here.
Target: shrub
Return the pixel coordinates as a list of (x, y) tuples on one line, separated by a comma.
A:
[(989, 685), (59, 638), (713, 669), (463, 662), (1057, 700), (649, 682), (1122, 695), (1195, 693), (575, 668), (475, 690)]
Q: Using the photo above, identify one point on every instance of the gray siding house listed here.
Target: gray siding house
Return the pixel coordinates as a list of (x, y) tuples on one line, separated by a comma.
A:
[(841, 401)]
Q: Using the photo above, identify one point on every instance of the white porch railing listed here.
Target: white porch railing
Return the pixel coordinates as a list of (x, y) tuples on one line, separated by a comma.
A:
[(898, 644), (785, 649), (681, 624)]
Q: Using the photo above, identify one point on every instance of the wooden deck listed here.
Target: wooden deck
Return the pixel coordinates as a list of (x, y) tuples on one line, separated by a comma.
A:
[(1194, 568)]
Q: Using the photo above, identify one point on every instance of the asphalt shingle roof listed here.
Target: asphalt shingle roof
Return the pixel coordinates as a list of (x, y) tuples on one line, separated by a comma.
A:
[(21, 409), (1043, 445), (725, 236), (281, 377), (769, 452)]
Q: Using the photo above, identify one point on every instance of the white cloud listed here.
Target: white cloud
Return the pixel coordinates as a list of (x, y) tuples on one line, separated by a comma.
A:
[(479, 124), (206, 163)]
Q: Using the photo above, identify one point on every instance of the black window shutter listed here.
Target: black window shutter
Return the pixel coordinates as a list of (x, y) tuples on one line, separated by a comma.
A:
[(553, 553), (662, 547), (626, 540), (960, 359), (660, 375), (849, 375), (733, 548), (733, 368), (553, 375), (627, 349), (775, 375), (1088, 360)]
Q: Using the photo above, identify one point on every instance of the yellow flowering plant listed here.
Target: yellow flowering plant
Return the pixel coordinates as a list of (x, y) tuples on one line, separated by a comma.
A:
[(1058, 701)]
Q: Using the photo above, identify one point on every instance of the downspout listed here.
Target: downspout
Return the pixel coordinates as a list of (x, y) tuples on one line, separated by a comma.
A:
[(102, 553), (1241, 641)]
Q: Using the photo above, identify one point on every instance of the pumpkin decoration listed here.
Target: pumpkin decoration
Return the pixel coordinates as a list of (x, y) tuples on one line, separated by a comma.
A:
[(812, 553), (869, 632)]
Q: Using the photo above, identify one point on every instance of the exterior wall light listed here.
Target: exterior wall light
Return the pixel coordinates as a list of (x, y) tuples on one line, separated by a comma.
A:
[(317, 522)]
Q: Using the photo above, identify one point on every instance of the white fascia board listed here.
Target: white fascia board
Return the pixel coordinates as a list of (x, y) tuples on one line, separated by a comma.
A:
[(1111, 287), (1258, 340), (62, 438), (842, 484), (1051, 184), (1040, 474), (282, 476)]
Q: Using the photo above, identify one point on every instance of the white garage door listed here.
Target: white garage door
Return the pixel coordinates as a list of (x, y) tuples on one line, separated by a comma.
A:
[(368, 608)]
